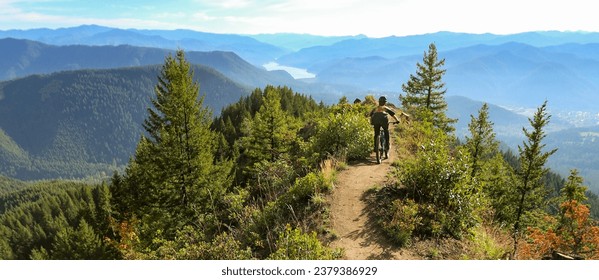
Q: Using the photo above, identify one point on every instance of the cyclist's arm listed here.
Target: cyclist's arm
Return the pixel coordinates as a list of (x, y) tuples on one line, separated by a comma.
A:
[(392, 114)]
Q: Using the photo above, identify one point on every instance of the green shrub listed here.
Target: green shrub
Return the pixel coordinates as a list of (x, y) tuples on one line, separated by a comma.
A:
[(189, 244), (403, 221), (293, 244), (343, 135), (270, 180), (438, 180)]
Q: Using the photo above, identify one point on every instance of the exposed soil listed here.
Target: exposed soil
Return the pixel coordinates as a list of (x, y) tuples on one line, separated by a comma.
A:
[(356, 232)]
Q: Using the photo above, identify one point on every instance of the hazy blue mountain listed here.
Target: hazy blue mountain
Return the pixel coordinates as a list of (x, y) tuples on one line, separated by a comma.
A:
[(294, 42), (515, 74), (250, 49), (507, 124), (511, 74), (20, 58), (393, 46), (589, 50), (85, 122)]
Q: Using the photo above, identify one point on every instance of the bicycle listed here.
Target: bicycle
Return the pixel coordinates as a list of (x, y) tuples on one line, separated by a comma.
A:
[(379, 145)]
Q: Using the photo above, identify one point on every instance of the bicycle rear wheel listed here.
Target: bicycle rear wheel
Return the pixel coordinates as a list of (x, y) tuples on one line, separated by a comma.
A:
[(377, 148), (382, 145)]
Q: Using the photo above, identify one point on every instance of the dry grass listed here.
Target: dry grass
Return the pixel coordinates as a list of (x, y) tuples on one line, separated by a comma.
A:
[(328, 169)]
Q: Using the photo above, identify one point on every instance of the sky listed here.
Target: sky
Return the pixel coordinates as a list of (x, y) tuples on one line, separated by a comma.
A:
[(373, 18)]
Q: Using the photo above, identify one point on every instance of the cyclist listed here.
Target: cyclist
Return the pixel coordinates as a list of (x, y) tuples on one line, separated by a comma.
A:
[(379, 118)]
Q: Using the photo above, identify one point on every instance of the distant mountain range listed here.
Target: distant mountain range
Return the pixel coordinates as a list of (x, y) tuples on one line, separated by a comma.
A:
[(93, 35), (519, 70), (510, 74), (22, 57), (394, 47), (19, 58)]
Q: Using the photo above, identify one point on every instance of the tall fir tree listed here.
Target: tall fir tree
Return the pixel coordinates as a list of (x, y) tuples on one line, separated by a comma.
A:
[(270, 132), (488, 167), (481, 143), (530, 189), (425, 92), (174, 179)]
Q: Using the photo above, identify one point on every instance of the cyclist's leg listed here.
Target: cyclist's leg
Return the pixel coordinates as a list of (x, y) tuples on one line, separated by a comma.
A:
[(377, 130)]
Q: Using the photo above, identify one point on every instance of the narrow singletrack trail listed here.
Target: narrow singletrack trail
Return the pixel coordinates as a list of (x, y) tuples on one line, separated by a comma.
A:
[(357, 233)]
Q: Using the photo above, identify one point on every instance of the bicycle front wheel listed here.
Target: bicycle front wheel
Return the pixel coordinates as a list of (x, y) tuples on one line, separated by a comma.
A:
[(378, 148)]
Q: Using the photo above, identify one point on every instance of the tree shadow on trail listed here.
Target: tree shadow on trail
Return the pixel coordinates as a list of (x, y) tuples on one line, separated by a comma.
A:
[(372, 234), (370, 161)]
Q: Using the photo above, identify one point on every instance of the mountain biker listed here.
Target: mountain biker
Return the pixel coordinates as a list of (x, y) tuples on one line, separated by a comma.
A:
[(379, 118)]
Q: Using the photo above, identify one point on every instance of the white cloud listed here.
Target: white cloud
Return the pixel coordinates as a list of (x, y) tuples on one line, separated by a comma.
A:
[(234, 4), (334, 17), (202, 16)]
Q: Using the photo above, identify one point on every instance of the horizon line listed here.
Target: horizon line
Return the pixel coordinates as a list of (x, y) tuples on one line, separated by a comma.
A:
[(298, 33)]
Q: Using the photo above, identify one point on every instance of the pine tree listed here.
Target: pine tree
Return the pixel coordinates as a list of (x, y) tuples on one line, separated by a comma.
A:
[(77, 244), (102, 209), (173, 180), (481, 144), (269, 133), (530, 188), (573, 189), (425, 92), (499, 181)]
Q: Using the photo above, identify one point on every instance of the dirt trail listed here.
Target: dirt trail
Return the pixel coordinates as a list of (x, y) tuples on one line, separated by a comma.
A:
[(356, 231)]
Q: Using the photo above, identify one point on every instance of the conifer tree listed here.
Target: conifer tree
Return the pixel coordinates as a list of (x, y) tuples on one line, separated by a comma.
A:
[(530, 188), (173, 180), (268, 133), (425, 91), (573, 189), (481, 144), (77, 244)]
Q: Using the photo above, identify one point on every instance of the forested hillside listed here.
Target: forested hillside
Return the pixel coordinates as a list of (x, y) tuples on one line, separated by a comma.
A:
[(55, 220), (86, 122)]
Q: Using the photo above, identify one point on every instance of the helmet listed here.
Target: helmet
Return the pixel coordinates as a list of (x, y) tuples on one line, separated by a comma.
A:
[(382, 99)]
